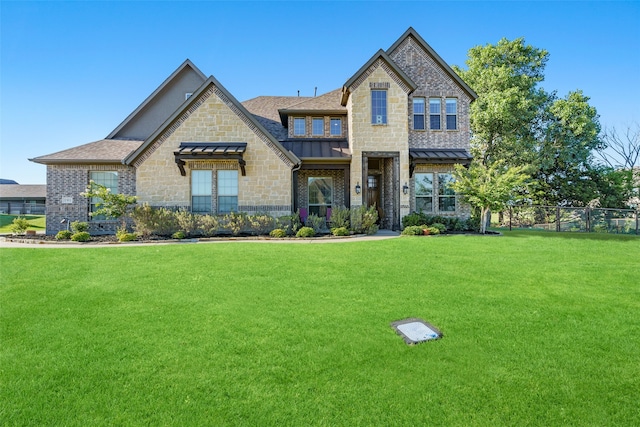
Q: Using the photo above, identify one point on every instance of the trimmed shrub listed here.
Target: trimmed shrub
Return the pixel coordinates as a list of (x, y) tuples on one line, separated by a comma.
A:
[(79, 226), (81, 236), (178, 235), (340, 231), (290, 223), (305, 232), (124, 236), (19, 225), (413, 230), (149, 220), (209, 225), (260, 224), (278, 233), (440, 227), (433, 230), (187, 222), (64, 235)]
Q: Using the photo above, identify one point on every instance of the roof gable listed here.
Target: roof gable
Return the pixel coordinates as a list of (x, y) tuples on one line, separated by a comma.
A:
[(380, 58), (209, 87), (103, 151), (163, 101), (432, 53)]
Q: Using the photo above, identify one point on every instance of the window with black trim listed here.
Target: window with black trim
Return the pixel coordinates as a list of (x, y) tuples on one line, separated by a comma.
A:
[(452, 113), (379, 107), (434, 113), (418, 113), (108, 179)]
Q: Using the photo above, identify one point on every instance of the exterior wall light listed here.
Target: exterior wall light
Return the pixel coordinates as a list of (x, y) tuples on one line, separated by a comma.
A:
[(405, 188), (358, 188)]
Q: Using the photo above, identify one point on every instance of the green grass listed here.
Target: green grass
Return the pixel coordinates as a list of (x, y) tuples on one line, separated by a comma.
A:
[(38, 222), (539, 330)]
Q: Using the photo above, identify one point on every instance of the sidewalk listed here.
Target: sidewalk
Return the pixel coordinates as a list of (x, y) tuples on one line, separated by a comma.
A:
[(16, 242)]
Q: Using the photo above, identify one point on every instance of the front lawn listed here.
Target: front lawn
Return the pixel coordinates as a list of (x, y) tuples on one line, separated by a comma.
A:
[(37, 222), (539, 329)]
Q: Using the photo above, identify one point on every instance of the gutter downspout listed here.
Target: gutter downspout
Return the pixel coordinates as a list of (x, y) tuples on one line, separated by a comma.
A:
[(295, 169)]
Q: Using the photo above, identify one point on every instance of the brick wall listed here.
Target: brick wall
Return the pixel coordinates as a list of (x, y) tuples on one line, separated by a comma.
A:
[(64, 185)]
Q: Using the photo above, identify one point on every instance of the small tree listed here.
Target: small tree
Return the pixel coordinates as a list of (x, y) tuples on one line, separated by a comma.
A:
[(488, 187), (110, 205)]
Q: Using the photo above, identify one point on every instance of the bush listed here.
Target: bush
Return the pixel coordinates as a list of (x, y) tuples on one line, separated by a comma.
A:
[(363, 220), (187, 222), (123, 236), (316, 222), (413, 230), (261, 224), (209, 225), (289, 223), (305, 232), (340, 231), (148, 220), (64, 235), (278, 233), (236, 222), (79, 226), (340, 217), (433, 230), (178, 235), (81, 236), (440, 227), (19, 225)]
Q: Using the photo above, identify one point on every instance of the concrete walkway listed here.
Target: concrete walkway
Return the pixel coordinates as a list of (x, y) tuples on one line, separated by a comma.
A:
[(16, 242)]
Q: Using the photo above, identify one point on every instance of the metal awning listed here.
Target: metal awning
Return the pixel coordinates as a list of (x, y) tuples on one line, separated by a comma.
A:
[(329, 150), (210, 151), (438, 156)]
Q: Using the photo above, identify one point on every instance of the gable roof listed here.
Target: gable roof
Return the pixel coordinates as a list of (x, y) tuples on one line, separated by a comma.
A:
[(265, 110), (327, 104), (189, 103), (20, 191), (102, 151), (186, 66), (445, 67), (380, 55)]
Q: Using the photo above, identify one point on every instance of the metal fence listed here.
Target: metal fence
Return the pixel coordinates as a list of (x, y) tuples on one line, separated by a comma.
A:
[(22, 208), (556, 218)]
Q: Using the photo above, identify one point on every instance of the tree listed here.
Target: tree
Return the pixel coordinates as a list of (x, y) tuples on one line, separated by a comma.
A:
[(503, 118), (621, 151), (489, 187), (110, 205)]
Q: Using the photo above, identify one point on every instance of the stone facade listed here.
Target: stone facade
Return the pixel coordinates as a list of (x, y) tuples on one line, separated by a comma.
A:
[(268, 181), (64, 185)]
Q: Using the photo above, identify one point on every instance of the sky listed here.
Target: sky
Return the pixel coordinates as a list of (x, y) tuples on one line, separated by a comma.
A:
[(71, 71)]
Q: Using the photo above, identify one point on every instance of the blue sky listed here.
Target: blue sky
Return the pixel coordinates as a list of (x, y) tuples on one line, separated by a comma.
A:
[(70, 72)]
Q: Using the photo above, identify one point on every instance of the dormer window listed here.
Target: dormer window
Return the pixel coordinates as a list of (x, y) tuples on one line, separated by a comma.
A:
[(317, 127), (299, 128), (336, 127)]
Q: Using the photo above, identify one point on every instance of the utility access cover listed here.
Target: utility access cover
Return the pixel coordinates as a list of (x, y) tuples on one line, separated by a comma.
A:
[(415, 331)]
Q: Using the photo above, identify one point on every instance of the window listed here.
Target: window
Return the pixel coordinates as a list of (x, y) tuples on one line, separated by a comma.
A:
[(446, 195), (317, 127), (107, 179), (379, 107), (201, 191), (424, 192), (320, 195), (434, 113), (452, 113), (299, 126), (336, 127), (418, 113), (227, 191)]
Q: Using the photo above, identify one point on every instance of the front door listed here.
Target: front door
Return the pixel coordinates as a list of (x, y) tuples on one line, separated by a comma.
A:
[(374, 183)]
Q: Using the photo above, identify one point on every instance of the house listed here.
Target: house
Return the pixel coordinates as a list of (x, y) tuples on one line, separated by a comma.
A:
[(388, 137), (16, 199)]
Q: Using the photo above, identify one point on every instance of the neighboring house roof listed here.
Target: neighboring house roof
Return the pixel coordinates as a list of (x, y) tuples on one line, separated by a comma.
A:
[(380, 55), (208, 84), (445, 67), (27, 191), (103, 151), (153, 111), (7, 181)]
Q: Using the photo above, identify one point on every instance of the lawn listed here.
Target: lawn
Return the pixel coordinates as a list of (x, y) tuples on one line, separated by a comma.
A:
[(38, 222), (539, 329)]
